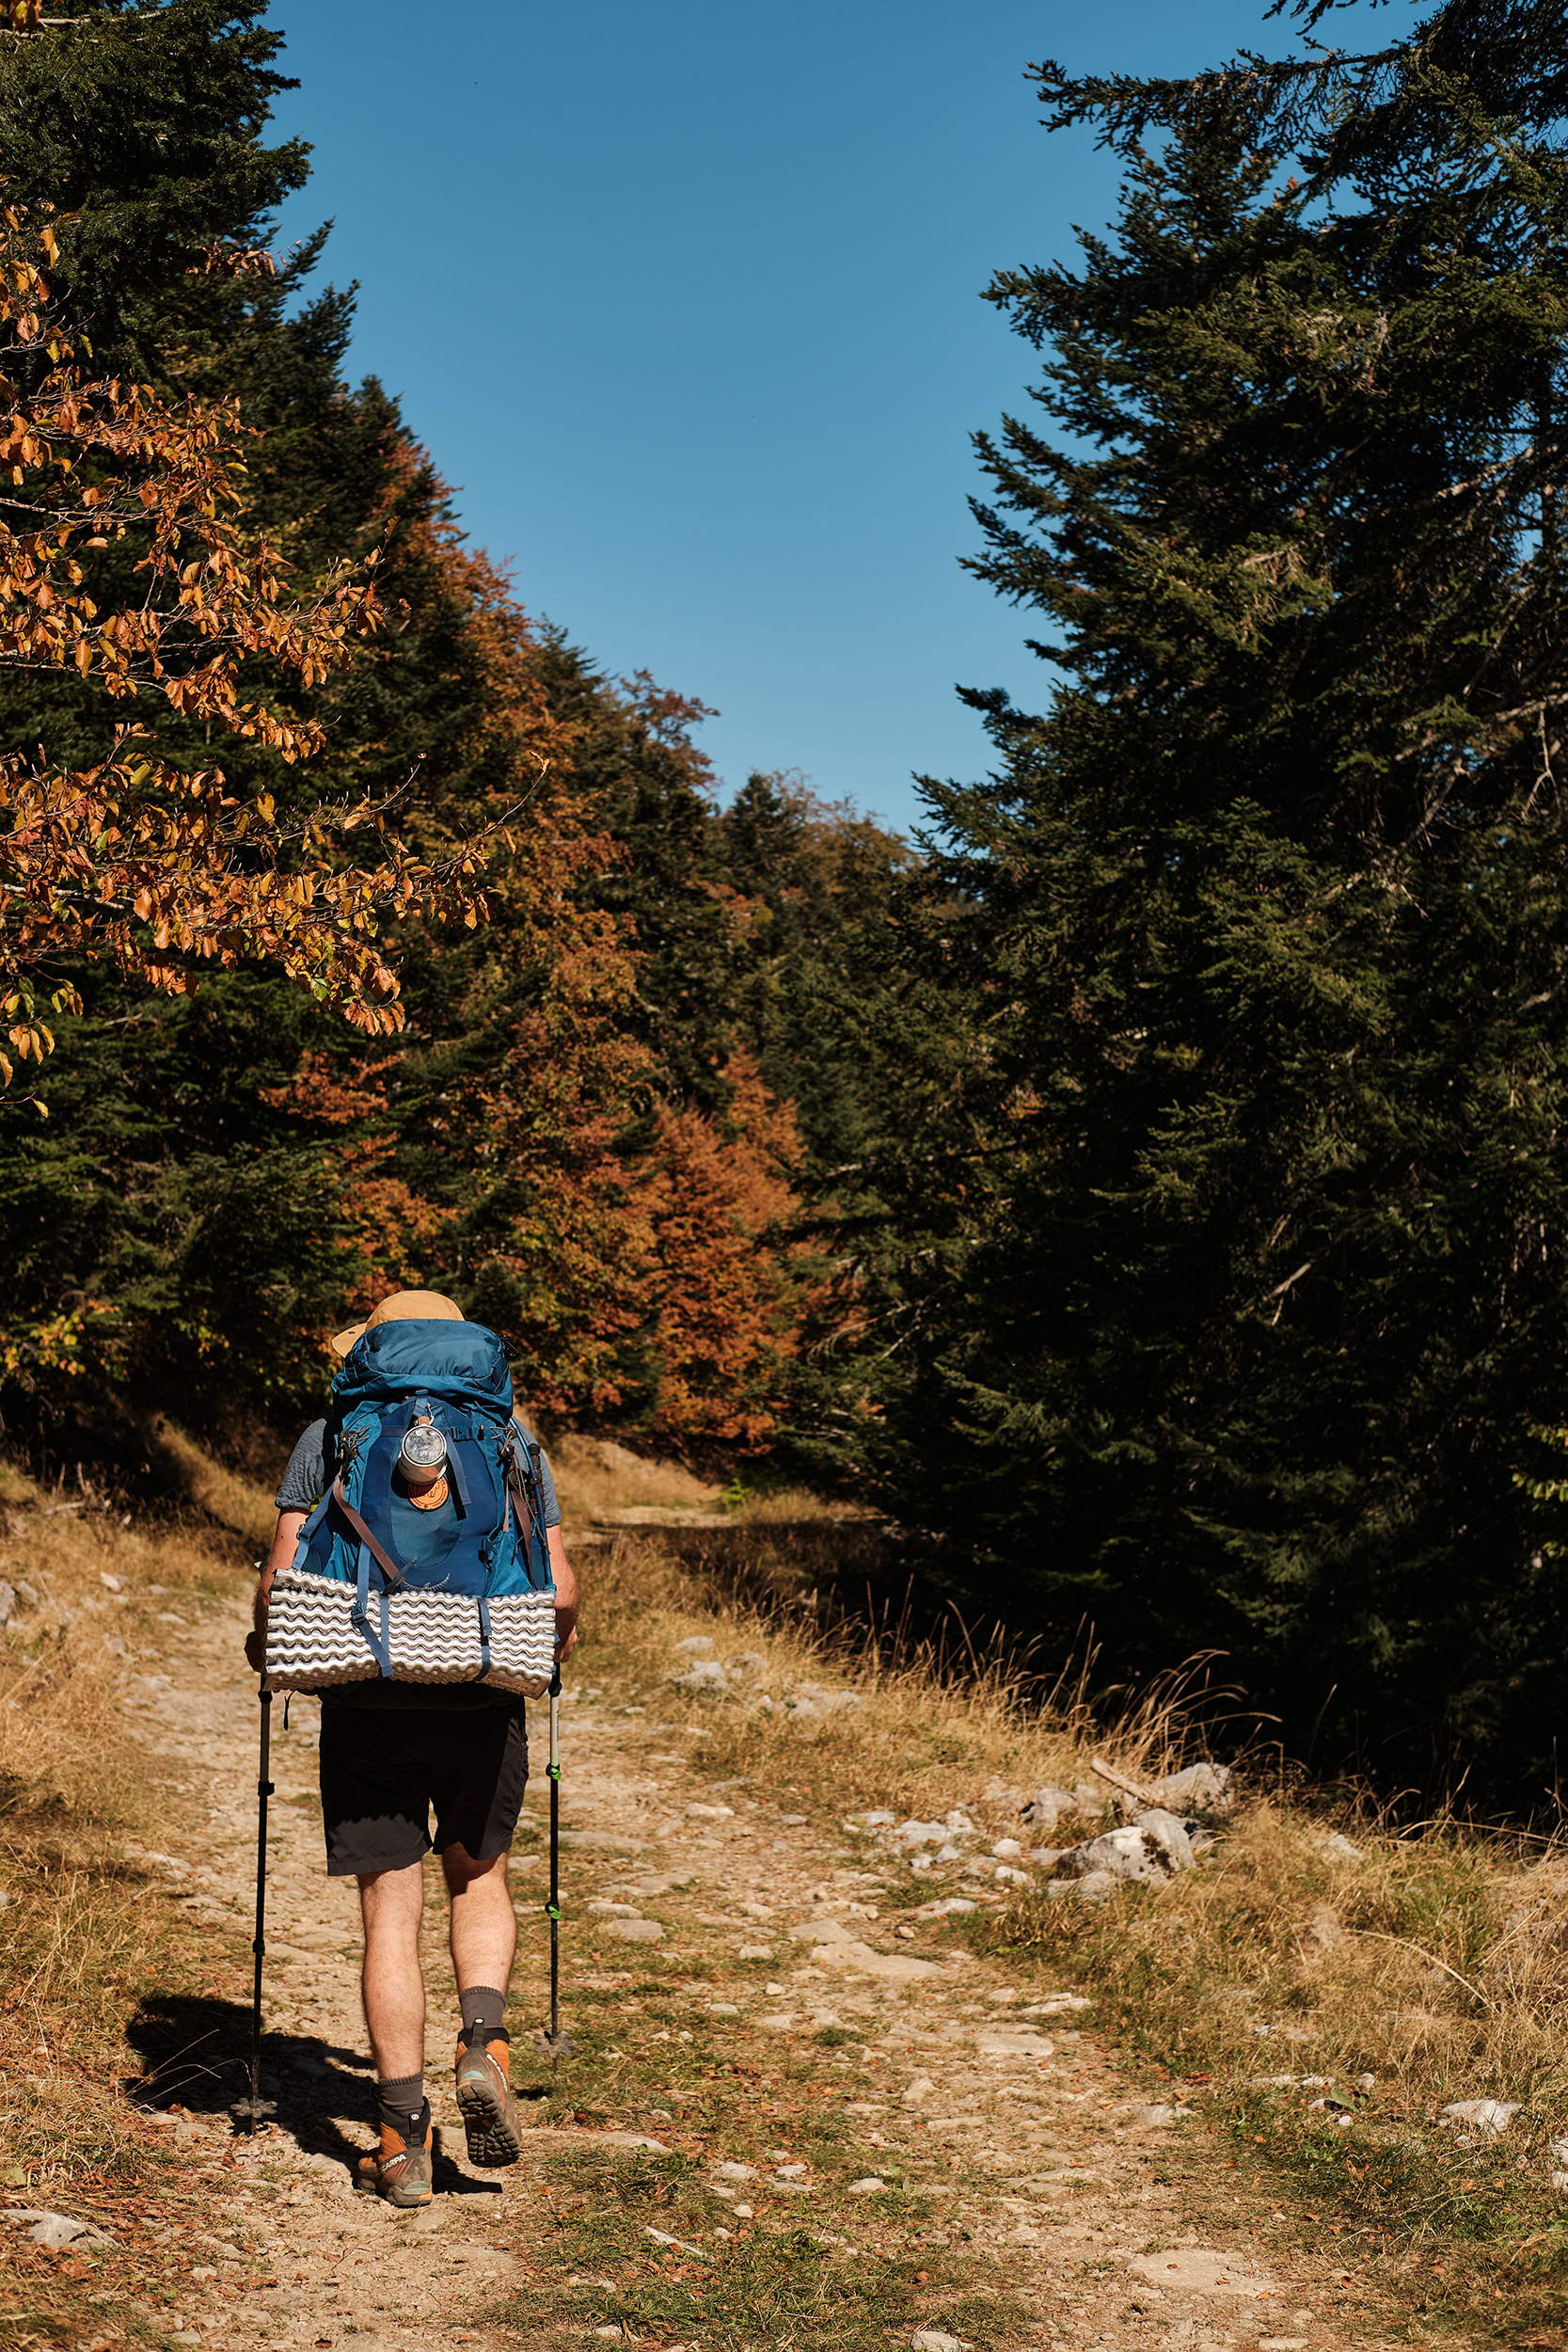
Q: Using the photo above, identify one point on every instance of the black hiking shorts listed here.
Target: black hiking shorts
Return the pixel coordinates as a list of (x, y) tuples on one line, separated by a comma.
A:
[(384, 1770)]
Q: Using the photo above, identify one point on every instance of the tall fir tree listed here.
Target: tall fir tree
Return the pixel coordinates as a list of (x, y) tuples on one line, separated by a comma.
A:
[(1216, 1301)]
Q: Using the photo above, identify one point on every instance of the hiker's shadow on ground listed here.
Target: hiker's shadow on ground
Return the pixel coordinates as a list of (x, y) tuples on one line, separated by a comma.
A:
[(194, 2053)]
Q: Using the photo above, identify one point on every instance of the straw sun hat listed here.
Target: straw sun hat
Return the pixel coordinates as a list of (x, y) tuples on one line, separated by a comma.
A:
[(402, 1307)]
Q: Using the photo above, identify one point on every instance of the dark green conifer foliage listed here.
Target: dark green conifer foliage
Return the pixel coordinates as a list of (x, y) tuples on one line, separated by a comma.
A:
[(144, 125), (1230, 1266)]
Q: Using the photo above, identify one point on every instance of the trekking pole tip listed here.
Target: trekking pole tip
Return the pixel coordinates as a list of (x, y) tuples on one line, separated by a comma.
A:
[(250, 2112)]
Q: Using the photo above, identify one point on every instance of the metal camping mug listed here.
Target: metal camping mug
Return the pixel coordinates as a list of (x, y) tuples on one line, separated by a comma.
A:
[(423, 1456)]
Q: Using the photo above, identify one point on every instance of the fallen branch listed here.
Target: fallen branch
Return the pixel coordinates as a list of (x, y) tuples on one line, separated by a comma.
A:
[(1128, 1787)]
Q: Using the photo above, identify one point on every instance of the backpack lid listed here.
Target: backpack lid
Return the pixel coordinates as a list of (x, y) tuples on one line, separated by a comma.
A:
[(459, 1364)]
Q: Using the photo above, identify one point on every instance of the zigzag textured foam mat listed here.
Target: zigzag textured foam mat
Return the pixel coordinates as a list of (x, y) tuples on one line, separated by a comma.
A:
[(313, 1642)]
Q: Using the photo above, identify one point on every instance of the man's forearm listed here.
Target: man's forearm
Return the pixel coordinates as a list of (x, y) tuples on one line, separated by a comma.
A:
[(567, 1596), (284, 1544)]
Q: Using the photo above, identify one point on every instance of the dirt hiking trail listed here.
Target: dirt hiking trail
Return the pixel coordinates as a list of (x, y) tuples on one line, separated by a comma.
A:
[(785, 2125)]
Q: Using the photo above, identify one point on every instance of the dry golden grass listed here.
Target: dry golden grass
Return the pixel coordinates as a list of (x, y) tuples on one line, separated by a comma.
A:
[(233, 1502), (925, 1729), (595, 1478), (87, 1931), (1428, 1966), (60, 1668), (593, 1475)]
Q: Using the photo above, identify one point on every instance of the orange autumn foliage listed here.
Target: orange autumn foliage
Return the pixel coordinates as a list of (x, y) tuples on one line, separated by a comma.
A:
[(513, 1148), (726, 1290), (131, 861)]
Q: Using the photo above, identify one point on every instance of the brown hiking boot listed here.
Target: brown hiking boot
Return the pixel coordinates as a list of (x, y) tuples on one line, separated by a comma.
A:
[(400, 2169), (485, 2099)]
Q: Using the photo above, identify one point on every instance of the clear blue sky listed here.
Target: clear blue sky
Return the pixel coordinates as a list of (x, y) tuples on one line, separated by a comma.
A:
[(684, 300)]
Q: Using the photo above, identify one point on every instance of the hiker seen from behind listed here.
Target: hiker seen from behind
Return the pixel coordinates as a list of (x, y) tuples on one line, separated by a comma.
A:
[(418, 1582)]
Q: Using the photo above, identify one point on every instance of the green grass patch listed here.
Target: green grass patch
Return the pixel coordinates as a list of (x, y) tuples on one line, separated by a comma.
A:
[(818, 2283)]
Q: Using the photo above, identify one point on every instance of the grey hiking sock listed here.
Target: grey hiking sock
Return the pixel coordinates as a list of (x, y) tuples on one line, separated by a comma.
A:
[(401, 2101), (484, 2006)]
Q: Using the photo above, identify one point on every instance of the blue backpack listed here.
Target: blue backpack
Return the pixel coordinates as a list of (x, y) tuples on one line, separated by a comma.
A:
[(435, 1514)]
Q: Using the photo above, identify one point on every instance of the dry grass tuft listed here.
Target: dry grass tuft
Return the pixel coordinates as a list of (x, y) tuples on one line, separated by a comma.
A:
[(235, 1502), (593, 1475), (911, 1725)]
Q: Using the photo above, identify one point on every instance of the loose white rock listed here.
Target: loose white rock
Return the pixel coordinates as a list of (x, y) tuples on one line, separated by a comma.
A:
[(1491, 2116), (1201, 1788), (53, 2230), (870, 2186), (1048, 1806), (1149, 1852), (707, 1675), (938, 2340), (663, 2237)]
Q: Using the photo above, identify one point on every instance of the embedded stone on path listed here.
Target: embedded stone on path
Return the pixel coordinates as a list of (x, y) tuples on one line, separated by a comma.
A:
[(1014, 2042), (635, 1931), (1201, 2270)]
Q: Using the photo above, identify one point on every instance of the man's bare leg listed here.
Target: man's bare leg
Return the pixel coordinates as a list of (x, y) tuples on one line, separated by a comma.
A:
[(391, 1903), (484, 1938), (484, 1924)]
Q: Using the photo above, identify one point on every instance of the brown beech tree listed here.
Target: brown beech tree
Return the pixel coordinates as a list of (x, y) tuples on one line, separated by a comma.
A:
[(131, 859)]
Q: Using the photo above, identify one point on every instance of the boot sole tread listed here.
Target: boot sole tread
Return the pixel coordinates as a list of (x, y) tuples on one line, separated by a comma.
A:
[(494, 2141)]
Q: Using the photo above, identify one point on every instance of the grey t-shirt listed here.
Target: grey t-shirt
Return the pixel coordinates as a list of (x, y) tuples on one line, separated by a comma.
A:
[(301, 1487)]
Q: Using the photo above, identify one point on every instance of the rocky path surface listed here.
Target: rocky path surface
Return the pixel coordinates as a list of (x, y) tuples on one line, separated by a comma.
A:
[(784, 2127)]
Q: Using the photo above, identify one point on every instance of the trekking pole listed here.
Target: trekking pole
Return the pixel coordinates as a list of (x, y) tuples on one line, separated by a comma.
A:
[(253, 2110), (558, 2044)]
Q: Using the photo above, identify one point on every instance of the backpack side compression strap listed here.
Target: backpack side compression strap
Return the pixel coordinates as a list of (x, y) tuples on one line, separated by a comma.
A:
[(380, 1646), (368, 1543)]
